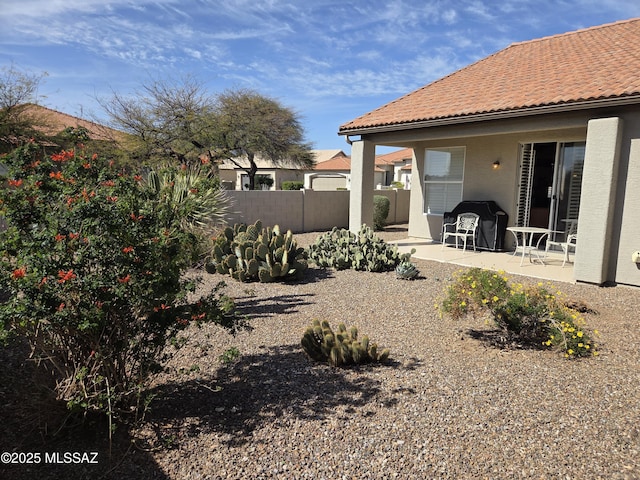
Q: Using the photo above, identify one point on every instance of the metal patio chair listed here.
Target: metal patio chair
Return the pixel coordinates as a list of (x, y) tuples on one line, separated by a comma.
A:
[(465, 226), (570, 242)]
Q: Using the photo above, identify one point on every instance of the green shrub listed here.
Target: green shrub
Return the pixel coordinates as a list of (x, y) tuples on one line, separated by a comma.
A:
[(92, 262), (531, 315), (342, 249), (341, 348), (263, 180), (250, 252), (381, 206), (398, 185), (292, 185)]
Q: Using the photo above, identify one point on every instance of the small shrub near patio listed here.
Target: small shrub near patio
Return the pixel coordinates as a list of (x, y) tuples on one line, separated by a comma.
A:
[(250, 252), (340, 348), (381, 206), (92, 264), (292, 185), (532, 315), (341, 249)]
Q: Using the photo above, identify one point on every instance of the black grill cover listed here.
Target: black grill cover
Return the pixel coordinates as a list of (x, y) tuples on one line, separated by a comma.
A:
[(492, 226)]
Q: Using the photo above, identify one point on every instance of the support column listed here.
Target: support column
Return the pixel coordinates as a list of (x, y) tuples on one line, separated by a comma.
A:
[(363, 154), (598, 200)]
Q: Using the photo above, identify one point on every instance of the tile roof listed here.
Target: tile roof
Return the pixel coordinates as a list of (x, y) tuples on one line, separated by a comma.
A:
[(54, 122), (596, 63), (324, 155), (338, 164), (394, 157)]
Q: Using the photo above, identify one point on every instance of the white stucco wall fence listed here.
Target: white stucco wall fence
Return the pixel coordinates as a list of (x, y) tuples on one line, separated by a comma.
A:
[(307, 210)]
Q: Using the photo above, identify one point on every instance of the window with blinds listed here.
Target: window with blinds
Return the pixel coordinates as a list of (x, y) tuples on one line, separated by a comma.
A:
[(444, 171)]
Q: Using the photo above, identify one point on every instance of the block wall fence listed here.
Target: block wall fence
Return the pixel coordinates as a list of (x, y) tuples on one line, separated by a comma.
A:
[(307, 210)]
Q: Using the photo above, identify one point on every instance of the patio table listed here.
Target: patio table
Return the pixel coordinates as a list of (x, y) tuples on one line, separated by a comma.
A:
[(528, 234)]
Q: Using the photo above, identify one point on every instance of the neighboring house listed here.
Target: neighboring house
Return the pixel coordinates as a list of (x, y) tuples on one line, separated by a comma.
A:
[(549, 129), (332, 172), (234, 174), (397, 166), (52, 122), (335, 172)]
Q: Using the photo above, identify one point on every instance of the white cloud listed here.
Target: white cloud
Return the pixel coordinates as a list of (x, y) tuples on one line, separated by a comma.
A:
[(449, 16), (481, 10)]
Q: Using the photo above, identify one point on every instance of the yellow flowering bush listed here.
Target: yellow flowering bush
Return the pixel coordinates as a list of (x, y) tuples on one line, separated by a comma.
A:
[(474, 290), (532, 315)]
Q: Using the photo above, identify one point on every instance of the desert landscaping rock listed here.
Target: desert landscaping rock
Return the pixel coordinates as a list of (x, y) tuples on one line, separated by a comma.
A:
[(446, 406)]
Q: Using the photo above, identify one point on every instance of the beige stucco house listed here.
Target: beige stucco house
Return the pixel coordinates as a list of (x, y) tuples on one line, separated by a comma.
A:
[(234, 175), (334, 173), (549, 129), (397, 167)]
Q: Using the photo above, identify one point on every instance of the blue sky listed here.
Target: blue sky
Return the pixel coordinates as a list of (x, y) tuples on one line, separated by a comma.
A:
[(328, 60)]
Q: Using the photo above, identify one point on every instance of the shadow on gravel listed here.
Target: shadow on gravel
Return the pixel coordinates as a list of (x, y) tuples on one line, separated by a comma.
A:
[(274, 386), (315, 274), (497, 338), (35, 427), (252, 307)]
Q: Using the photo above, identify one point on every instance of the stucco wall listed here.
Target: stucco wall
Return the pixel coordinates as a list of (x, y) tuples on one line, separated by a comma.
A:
[(627, 220), (278, 175), (398, 204), (307, 210), (281, 207), (481, 181)]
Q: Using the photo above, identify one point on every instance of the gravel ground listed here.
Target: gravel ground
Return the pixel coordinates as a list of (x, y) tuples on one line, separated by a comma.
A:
[(447, 406)]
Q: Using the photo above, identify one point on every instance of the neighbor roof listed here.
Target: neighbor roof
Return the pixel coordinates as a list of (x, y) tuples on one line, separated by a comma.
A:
[(394, 157), (54, 122), (324, 155), (592, 64), (338, 163)]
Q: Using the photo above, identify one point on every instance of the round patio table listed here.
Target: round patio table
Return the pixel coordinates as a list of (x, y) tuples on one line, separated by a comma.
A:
[(527, 246)]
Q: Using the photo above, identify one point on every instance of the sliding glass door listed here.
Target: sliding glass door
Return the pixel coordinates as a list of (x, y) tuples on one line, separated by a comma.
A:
[(567, 188), (550, 186)]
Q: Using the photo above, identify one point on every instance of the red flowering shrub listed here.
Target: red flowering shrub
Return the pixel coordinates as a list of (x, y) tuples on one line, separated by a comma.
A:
[(91, 266)]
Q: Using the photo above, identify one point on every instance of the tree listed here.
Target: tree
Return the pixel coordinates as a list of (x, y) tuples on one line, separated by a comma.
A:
[(171, 120), (249, 125), (18, 89)]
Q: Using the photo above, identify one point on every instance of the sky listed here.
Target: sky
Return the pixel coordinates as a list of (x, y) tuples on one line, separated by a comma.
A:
[(329, 61)]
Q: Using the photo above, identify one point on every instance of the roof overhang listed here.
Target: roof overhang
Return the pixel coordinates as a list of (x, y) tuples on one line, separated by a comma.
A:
[(499, 115)]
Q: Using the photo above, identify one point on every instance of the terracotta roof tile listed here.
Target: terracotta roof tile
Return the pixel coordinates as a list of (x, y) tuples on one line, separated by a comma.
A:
[(393, 157), (338, 164), (56, 121), (595, 63)]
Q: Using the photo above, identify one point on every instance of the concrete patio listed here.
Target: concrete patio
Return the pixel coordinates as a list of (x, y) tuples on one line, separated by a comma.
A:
[(551, 269)]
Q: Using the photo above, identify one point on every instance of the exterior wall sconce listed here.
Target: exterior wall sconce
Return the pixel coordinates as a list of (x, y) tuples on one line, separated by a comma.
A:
[(496, 165)]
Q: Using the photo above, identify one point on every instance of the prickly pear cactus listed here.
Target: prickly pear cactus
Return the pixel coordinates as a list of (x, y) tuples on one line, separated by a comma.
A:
[(340, 348), (251, 252), (407, 271), (342, 249)]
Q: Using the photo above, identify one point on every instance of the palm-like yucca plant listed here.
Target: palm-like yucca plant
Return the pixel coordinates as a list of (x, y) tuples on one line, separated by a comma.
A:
[(196, 188)]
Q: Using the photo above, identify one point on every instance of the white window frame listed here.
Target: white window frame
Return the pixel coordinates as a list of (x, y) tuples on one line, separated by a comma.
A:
[(450, 181)]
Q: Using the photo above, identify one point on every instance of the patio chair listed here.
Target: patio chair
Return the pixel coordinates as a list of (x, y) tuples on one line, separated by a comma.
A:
[(464, 227), (570, 242)]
